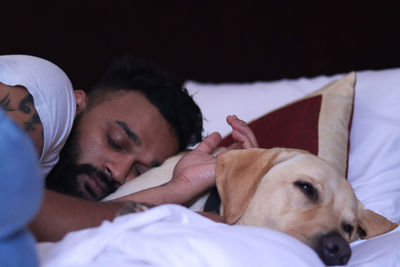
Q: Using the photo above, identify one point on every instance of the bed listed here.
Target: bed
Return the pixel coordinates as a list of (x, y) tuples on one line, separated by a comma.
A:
[(367, 133)]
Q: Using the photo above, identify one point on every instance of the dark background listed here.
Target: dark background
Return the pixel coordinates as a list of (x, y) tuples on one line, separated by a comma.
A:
[(207, 41)]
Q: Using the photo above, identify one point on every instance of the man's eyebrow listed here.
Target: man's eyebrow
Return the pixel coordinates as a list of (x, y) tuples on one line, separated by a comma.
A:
[(133, 136)]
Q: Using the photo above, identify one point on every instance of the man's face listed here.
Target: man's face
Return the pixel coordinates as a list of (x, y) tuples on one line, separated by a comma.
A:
[(117, 139)]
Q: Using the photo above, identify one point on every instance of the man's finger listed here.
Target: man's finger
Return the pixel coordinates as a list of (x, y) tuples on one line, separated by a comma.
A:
[(235, 145), (209, 143), (244, 140), (242, 128)]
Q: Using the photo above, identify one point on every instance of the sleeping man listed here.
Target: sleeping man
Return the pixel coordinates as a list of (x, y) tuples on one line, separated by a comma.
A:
[(131, 121)]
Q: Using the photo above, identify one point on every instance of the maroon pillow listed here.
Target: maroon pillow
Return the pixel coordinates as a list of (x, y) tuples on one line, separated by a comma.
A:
[(294, 126), (319, 123)]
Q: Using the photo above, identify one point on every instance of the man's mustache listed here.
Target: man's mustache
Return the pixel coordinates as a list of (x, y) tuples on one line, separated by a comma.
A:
[(110, 184)]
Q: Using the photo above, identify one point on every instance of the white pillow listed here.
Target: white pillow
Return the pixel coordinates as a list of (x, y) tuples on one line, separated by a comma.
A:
[(374, 163)]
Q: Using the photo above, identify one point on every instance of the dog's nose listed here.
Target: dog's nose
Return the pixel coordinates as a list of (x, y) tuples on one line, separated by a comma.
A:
[(333, 249)]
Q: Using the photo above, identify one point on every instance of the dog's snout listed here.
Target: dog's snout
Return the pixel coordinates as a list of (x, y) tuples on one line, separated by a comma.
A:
[(333, 249)]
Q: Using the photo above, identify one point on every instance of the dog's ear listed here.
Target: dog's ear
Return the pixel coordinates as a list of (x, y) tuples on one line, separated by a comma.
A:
[(371, 224), (238, 174)]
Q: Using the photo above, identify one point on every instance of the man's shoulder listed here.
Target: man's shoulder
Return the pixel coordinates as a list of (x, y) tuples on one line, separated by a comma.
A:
[(49, 93), (18, 105), (35, 74)]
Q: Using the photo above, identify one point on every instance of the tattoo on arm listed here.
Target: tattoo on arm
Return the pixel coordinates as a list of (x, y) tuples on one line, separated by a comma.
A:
[(18, 103), (5, 103), (25, 107), (24, 104), (30, 125)]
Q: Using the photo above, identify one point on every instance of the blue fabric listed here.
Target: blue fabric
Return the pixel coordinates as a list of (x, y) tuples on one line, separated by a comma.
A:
[(21, 190)]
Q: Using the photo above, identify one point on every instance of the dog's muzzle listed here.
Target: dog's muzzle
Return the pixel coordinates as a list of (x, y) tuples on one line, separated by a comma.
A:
[(333, 249)]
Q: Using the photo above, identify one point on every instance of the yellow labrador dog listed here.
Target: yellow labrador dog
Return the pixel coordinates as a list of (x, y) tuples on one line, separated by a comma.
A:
[(297, 193), (288, 190)]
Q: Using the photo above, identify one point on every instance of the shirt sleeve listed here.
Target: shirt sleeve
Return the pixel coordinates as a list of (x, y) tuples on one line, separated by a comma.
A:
[(53, 97)]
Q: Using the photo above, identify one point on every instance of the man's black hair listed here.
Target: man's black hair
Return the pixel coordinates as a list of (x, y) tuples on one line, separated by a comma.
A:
[(162, 89)]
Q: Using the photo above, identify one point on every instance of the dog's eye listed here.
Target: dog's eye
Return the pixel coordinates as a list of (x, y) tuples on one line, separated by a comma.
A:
[(361, 232), (348, 228), (308, 189)]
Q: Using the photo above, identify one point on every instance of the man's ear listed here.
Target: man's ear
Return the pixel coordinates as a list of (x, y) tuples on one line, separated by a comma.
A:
[(238, 173), (81, 101), (371, 224)]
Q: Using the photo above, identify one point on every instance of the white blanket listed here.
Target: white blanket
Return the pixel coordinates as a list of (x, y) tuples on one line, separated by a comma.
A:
[(171, 235)]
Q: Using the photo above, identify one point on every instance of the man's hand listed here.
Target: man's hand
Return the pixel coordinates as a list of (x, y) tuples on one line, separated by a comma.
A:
[(241, 133), (195, 172)]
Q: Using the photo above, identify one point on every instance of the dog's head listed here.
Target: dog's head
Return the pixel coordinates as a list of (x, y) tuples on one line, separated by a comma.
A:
[(297, 193)]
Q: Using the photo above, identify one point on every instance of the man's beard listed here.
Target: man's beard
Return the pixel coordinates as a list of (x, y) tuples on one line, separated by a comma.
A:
[(67, 175)]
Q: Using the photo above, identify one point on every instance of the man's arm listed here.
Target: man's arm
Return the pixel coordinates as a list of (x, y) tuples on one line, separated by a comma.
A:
[(60, 214)]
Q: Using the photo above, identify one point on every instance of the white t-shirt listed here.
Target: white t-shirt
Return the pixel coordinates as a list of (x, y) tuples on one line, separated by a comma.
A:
[(53, 97)]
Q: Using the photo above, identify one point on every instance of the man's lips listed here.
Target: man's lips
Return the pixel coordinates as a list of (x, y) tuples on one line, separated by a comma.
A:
[(96, 187)]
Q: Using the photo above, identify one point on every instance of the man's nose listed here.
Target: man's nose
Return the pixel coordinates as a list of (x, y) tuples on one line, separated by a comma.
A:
[(119, 169)]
